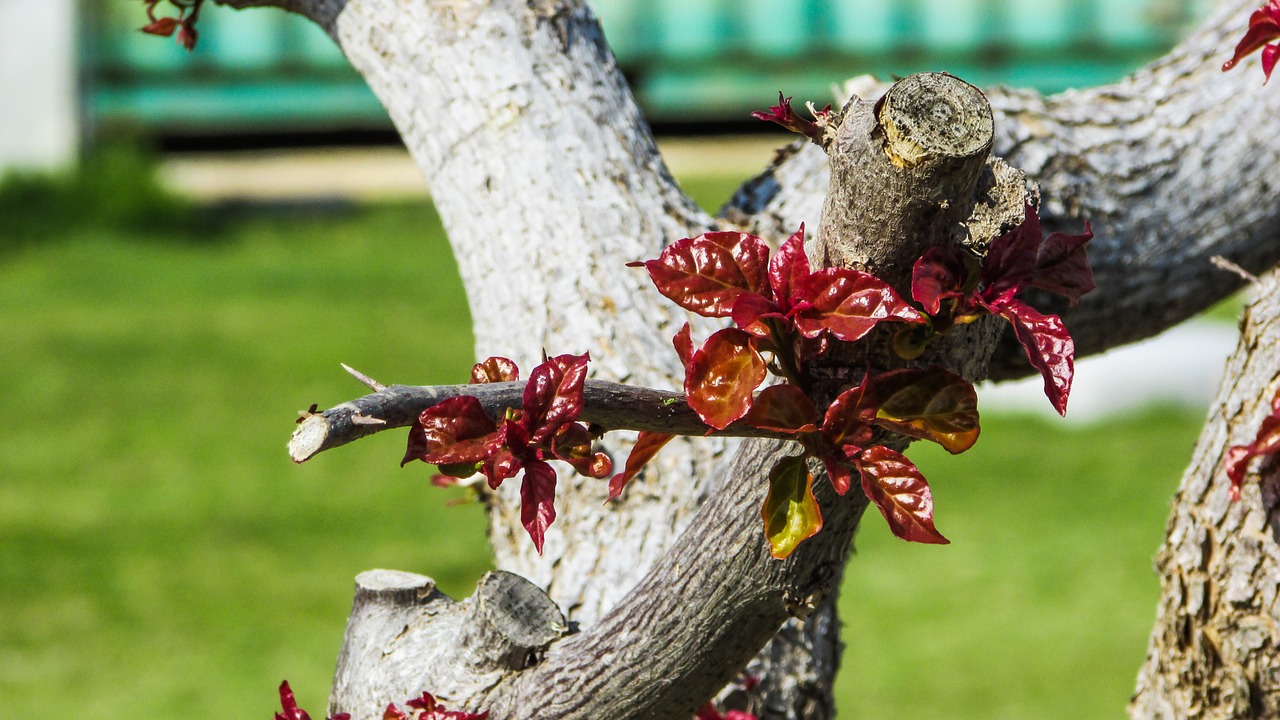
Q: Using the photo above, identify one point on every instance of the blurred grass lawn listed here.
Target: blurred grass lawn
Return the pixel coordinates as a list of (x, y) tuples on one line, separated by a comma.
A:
[(160, 556)]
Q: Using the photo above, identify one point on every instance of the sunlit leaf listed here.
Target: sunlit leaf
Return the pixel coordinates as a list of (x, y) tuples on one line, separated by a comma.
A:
[(494, 369), (898, 489), (723, 376), (1264, 26), (931, 404), (848, 417), (572, 444), (647, 445), (509, 451), (783, 408), (788, 270), (839, 472), (456, 430), (553, 395), (849, 303), (790, 512), (783, 115), (755, 314), (705, 274), (1048, 345), (683, 342), (537, 500)]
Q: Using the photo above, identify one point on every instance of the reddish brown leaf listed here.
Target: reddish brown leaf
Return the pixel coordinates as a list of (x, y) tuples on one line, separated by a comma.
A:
[(494, 369), (457, 430), (848, 304), (1048, 345), (723, 376), (838, 472), (931, 404), (753, 313), (1023, 258), (787, 118), (790, 512), (898, 489), (537, 500), (431, 709), (707, 273), (783, 408), (684, 345), (291, 711), (553, 395), (943, 272), (1062, 265), (572, 444), (164, 27), (788, 270), (647, 445), (393, 713), (847, 421)]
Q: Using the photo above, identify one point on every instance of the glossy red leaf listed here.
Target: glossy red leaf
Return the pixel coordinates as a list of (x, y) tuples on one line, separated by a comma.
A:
[(898, 489), (942, 273), (848, 304), (429, 708), (1264, 26), (707, 273), (1048, 345), (553, 395), (722, 377), (683, 342), (753, 314), (788, 270), (783, 115), (709, 712), (572, 444), (393, 713), (1265, 443), (494, 369), (1062, 265), (839, 472), (790, 512), (783, 408), (647, 445), (537, 500), (848, 417), (932, 404), (452, 431), (291, 711), (509, 452)]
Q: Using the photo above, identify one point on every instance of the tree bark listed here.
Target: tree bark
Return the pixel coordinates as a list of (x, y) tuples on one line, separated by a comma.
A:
[(546, 178), (1215, 649)]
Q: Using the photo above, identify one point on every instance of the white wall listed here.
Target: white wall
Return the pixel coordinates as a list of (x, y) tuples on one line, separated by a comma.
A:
[(39, 113)]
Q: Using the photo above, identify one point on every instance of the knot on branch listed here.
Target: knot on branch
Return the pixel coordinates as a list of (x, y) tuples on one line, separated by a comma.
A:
[(404, 636)]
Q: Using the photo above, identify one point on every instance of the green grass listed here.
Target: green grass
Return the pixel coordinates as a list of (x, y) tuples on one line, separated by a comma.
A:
[(161, 557)]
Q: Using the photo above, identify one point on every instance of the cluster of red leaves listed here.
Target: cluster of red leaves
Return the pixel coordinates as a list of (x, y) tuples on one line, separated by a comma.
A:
[(420, 708), (709, 712), (184, 23), (785, 309), (1266, 443), (461, 439), (951, 286), (787, 118), (1264, 27)]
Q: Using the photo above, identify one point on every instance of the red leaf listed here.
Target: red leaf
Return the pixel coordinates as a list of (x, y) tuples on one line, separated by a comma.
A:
[(849, 303), (790, 512), (572, 444), (787, 118), (393, 713), (509, 452), (931, 404), (452, 431), (752, 313), (788, 270), (848, 417), (430, 709), (723, 376), (647, 445), (838, 472), (684, 345), (537, 500), (942, 273), (784, 408), (898, 489), (705, 274), (553, 395), (164, 27), (1062, 265), (1048, 345), (290, 705), (1264, 26), (494, 369), (187, 36)]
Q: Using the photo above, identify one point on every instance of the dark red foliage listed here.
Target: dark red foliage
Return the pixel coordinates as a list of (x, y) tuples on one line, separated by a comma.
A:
[(1265, 444), (707, 273), (898, 489), (787, 118), (184, 23), (537, 500), (494, 369), (647, 445), (721, 377), (848, 304), (1264, 26), (291, 711)]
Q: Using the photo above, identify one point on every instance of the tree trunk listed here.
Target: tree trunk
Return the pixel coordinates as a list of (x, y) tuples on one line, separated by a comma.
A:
[(547, 180)]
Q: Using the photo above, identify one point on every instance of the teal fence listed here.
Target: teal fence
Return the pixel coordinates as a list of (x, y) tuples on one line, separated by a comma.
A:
[(688, 59)]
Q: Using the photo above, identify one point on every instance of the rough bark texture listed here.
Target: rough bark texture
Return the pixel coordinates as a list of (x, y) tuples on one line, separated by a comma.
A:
[(1215, 650)]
